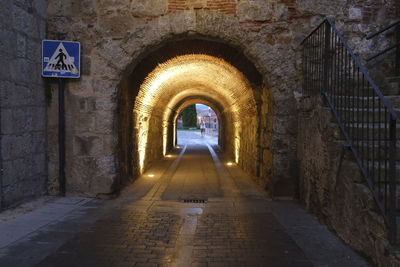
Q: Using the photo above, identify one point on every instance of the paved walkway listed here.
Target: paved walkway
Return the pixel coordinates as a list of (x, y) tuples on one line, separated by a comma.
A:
[(190, 209)]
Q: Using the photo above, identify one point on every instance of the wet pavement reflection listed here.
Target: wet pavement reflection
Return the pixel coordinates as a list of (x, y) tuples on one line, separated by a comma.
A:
[(193, 211)]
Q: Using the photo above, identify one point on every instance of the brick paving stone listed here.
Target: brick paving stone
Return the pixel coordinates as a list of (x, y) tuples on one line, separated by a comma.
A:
[(222, 240), (122, 238)]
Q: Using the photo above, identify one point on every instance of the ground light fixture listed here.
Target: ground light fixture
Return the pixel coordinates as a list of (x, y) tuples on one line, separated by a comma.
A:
[(230, 163), (150, 175)]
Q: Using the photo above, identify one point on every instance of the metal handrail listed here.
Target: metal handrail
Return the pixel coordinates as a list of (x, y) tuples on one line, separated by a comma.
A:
[(383, 30), (383, 51), (396, 45), (372, 83), (331, 68)]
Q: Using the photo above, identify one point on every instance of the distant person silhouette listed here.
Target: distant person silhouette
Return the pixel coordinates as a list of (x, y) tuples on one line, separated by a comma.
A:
[(202, 128), (61, 56)]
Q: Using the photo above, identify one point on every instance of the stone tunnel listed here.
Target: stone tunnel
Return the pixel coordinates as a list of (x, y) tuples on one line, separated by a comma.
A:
[(135, 104), (191, 71), (143, 62)]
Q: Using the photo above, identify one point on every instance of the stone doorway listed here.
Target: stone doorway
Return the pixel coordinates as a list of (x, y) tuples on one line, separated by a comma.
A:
[(186, 72), (118, 110)]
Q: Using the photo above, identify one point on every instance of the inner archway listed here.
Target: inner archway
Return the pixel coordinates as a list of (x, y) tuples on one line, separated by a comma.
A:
[(196, 123)]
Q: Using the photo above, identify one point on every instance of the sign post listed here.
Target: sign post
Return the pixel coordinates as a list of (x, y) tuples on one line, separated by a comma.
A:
[(61, 59)]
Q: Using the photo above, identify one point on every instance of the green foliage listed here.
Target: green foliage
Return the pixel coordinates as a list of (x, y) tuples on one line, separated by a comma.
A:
[(189, 116)]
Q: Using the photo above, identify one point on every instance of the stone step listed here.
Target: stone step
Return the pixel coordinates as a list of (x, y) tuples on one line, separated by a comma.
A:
[(391, 91), (388, 90), (374, 149), (365, 102), (370, 131), (353, 171), (364, 114), (392, 85), (394, 79)]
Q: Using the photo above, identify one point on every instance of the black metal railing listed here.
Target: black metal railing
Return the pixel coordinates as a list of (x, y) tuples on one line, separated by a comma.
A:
[(396, 45), (366, 118)]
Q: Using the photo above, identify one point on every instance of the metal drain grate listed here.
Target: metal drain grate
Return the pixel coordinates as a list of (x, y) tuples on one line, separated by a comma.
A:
[(194, 201)]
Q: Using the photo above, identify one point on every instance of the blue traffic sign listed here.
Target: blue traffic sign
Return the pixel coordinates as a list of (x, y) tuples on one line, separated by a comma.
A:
[(61, 59)]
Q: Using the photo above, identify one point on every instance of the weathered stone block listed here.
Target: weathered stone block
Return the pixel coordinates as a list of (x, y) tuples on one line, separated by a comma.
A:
[(7, 42), (109, 144), (183, 21), (21, 45), (84, 123), (38, 118), (105, 104), (327, 7), (104, 122), (83, 170), (260, 10), (103, 184), (87, 146), (7, 121), (355, 13), (40, 7), (33, 51), (39, 165), (79, 8), (54, 8), (107, 164), (5, 14), (9, 172), (111, 51), (24, 21), (196, 3), (148, 7), (116, 24), (104, 87), (5, 70), (208, 23), (87, 104)]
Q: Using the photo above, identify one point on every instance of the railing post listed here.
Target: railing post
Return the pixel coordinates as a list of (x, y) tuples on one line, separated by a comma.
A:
[(392, 181), (397, 50), (326, 59)]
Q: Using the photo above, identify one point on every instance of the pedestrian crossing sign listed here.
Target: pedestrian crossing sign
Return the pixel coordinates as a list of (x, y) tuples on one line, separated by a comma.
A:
[(61, 59)]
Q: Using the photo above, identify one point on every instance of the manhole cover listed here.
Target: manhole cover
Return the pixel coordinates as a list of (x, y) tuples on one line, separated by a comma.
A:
[(194, 200)]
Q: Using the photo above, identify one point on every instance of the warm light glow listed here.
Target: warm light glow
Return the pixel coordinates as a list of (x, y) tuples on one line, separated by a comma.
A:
[(165, 136), (237, 149), (184, 77), (174, 133), (168, 156), (229, 163), (150, 175), (142, 142)]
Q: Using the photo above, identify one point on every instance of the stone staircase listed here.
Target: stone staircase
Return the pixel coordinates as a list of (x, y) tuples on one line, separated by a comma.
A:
[(368, 112), (330, 67), (392, 89)]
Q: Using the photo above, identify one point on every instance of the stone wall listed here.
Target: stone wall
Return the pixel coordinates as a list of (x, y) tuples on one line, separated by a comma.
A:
[(22, 101), (332, 187), (116, 35)]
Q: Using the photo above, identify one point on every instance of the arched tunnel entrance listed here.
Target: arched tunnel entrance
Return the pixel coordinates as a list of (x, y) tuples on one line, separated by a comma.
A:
[(174, 75)]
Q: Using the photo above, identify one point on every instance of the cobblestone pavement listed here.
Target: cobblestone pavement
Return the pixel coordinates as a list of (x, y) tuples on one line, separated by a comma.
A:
[(150, 224)]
